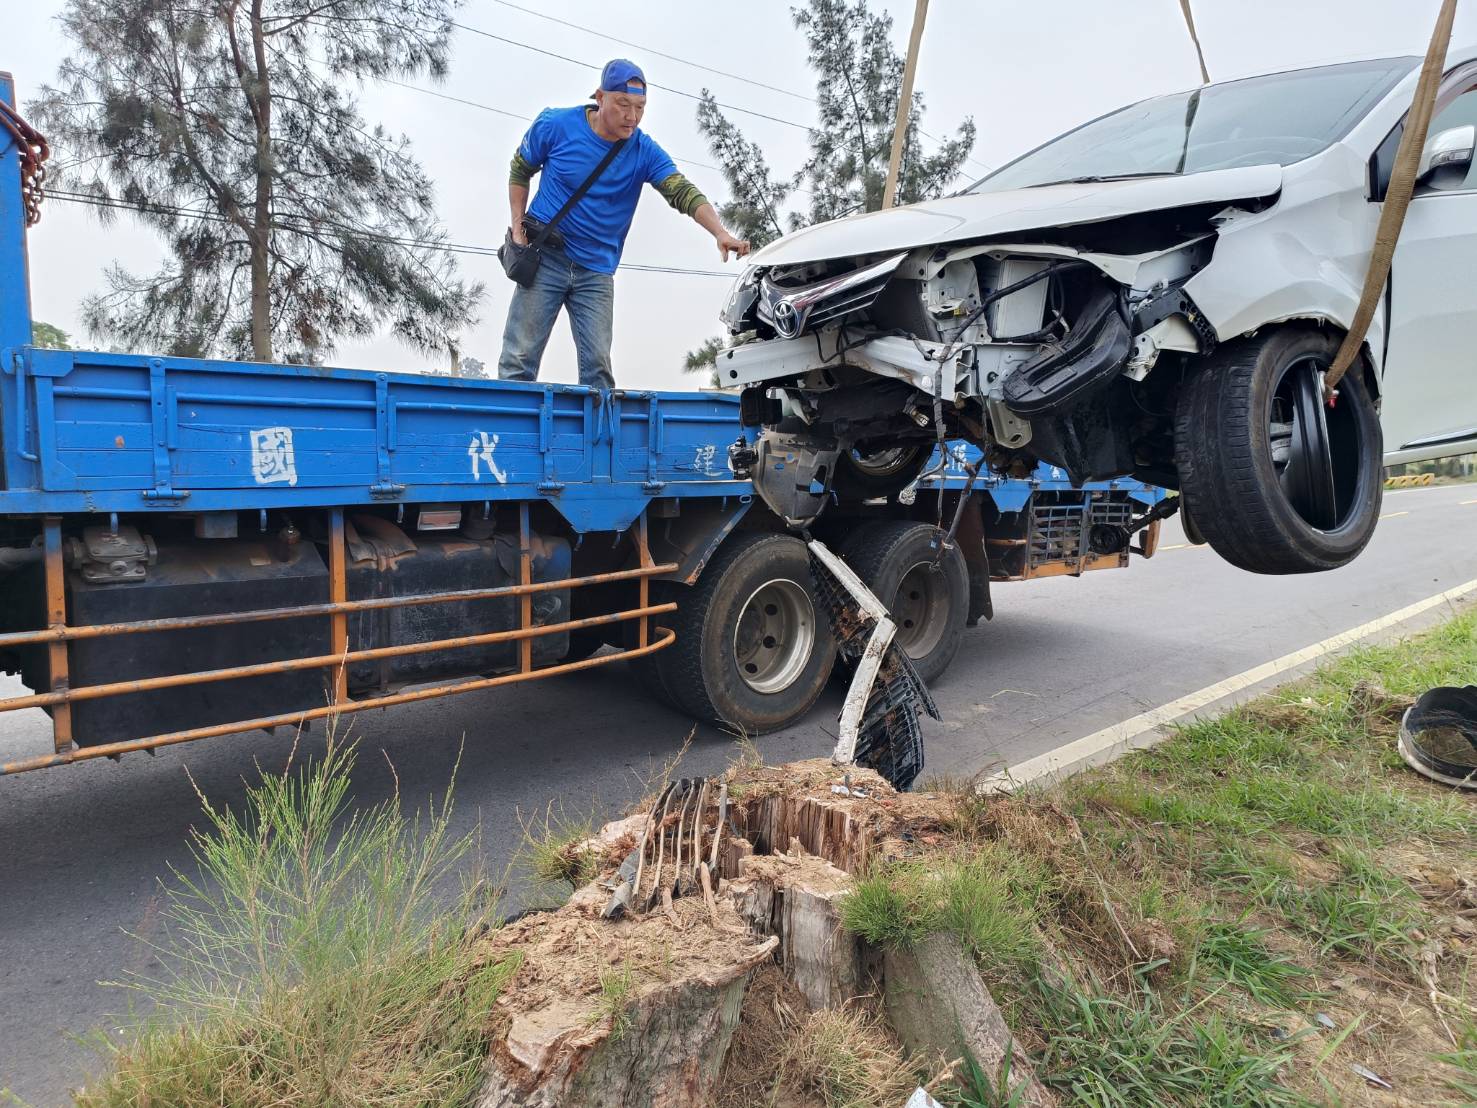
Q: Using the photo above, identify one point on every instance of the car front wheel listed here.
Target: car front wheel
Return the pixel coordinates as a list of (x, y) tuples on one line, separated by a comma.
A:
[(1277, 477)]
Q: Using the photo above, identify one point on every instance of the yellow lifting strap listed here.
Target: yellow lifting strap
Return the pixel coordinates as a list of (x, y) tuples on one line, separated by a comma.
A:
[(1397, 195)]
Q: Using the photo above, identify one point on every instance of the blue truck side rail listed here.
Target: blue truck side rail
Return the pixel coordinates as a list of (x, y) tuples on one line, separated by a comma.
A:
[(94, 432)]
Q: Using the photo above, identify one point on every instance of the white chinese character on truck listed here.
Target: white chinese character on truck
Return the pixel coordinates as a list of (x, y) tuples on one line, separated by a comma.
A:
[(1156, 293)]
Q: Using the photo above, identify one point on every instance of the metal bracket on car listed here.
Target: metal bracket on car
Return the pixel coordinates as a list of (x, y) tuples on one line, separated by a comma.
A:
[(1175, 301)]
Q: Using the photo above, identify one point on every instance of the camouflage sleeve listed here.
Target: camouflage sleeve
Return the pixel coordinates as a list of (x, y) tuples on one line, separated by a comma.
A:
[(521, 171), (681, 193)]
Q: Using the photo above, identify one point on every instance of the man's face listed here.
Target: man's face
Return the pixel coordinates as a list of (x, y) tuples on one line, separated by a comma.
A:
[(620, 112)]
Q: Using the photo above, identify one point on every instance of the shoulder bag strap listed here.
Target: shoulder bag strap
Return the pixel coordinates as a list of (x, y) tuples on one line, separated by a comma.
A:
[(579, 193)]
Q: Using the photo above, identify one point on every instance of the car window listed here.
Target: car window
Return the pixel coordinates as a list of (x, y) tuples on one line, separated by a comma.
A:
[(1461, 111), (1277, 119)]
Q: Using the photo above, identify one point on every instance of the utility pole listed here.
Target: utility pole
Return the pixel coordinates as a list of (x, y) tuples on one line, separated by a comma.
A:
[(904, 105)]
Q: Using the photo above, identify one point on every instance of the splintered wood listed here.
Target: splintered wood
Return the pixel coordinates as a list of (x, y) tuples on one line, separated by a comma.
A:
[(630, 993)]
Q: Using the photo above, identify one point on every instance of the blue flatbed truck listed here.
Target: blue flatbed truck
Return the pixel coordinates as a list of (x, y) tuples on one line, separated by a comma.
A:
[(193, 548)]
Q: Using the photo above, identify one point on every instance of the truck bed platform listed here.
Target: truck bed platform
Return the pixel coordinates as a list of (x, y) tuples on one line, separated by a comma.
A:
[(96, 432)]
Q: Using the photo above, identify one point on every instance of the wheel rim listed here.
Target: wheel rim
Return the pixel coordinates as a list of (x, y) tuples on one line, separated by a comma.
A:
[(919, 609), (1315, 447), (774, 636), (884, 462)]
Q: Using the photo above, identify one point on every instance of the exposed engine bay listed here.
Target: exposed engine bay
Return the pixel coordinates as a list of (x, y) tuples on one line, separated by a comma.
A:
[(1064, 351)]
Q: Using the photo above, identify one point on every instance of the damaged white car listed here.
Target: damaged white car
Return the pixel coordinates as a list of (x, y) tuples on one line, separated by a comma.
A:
[(1156, 293)]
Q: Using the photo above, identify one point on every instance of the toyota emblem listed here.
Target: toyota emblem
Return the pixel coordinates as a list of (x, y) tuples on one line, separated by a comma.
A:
[(786, 319)]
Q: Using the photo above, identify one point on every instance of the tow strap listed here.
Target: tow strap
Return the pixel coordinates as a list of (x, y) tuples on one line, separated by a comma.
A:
[(1397, 196)]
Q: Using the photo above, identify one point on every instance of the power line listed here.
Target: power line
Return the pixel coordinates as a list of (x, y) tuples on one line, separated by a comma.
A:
[(511, 115), (667, 88), (654, 50), (420, 244), (651, 84)]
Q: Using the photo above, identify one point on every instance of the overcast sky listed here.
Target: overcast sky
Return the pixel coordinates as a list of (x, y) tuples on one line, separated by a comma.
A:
[(1023, 71)]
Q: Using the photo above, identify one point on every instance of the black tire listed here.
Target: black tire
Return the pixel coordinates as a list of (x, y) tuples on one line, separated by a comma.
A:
[(1251, 507), (877, 473), (726, 667), (646, 669), (1191, 528), (896, 556)]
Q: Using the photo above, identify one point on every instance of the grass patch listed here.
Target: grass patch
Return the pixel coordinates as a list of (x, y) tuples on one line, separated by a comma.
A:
[(1463, 1060), (987, 896), (553, 850), (1239, 956), (615, 999), (1134, 1051), (846, 1058), (312, 960), (1282, 846)]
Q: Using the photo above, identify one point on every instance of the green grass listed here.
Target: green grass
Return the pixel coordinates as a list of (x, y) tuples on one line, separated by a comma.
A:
[(551, 851), (973, 1087), (988, 896), (1238, 956), (1264, 840), (615, 999), (1362, 912), (884, 911), (311, 960), (1464, 1061), (1133, 1051), (1365, 913)]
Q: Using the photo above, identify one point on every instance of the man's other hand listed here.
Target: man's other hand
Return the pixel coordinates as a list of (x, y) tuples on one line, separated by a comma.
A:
[(520, 236), (727, 242)]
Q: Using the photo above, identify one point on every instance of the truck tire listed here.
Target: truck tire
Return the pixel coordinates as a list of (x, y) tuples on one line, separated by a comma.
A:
[(929, 605), (1276, 481), (753, 649)]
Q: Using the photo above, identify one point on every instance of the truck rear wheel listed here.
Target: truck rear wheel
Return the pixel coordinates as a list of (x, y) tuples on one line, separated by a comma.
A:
[(753, 649), (929, 604)]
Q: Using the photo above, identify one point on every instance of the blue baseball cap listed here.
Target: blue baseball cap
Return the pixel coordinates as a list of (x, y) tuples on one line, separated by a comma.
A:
[(618, 75)]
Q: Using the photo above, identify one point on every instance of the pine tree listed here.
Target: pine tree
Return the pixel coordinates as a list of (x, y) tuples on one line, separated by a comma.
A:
[(291, 224), (858, 79), (50, 336)]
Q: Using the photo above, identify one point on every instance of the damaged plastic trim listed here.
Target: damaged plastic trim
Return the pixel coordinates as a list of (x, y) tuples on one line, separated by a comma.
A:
[(871, 661)]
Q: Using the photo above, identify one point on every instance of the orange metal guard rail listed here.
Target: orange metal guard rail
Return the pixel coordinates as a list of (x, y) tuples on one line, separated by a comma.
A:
[(58, 634)]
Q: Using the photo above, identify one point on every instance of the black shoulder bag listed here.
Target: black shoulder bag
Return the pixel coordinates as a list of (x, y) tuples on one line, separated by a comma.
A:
[(521, 263)]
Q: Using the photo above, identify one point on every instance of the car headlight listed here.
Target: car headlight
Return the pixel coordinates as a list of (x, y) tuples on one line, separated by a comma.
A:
[(741, 300)]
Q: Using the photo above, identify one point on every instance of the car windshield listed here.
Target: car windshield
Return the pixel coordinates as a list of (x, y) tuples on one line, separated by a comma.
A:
[(1277, 119)]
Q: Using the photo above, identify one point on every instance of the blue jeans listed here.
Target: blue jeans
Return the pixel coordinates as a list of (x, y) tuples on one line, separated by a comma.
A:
[(590, 298)]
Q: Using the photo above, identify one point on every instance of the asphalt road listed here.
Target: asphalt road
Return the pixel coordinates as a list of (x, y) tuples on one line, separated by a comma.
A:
[(84, 848)]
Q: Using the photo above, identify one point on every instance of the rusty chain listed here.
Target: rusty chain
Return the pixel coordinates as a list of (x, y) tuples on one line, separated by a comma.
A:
[(33, 154)]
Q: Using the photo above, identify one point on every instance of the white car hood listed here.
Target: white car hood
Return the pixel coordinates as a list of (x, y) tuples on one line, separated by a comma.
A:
[(958, 218)]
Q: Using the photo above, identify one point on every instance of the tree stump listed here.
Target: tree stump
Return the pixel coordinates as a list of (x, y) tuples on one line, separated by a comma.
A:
[(797, 898), (937, 1004), (616, 1014)]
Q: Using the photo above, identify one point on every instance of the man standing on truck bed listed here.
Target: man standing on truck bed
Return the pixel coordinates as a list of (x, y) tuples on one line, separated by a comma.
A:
[(603, 151)]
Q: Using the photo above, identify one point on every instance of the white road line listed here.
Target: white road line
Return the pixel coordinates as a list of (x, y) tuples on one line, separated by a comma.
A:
[(1392, 515), (1141, 730), (1464, 503)]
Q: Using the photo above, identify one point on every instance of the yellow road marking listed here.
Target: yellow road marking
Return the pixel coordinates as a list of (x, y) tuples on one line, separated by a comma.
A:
[(1392, 515)]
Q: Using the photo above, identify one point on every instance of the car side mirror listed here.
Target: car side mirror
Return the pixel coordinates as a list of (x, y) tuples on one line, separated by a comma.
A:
[(1451, 147)]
